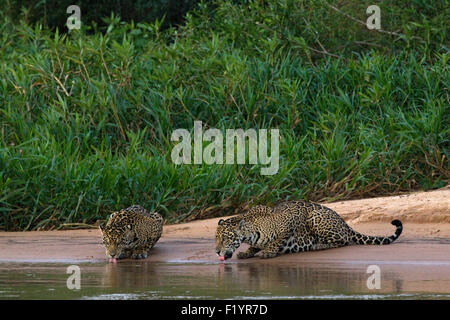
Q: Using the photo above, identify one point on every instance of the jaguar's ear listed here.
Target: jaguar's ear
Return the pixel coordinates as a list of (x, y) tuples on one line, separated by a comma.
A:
[(221, 221)]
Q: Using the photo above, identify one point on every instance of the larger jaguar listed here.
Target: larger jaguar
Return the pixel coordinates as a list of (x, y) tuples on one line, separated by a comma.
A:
[(291, 226)]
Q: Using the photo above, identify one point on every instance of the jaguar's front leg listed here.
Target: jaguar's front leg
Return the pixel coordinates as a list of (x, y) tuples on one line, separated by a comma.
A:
[(125, 254), (139, 253), (249, 253), (273, 248)]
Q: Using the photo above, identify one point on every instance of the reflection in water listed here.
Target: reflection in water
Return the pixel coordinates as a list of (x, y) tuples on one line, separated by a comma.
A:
[(129, 276), (298, 280), (255, 279)]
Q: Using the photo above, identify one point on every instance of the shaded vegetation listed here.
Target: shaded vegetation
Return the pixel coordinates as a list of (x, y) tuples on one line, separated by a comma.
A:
[(53, 13)]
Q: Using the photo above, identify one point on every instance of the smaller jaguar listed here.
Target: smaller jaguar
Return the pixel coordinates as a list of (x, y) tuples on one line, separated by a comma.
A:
[(131, 232)]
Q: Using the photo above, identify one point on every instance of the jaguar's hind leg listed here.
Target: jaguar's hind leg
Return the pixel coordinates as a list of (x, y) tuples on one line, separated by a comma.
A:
[(329, 229), (309, 243), (332, 240), (299, 244), (323, 246)]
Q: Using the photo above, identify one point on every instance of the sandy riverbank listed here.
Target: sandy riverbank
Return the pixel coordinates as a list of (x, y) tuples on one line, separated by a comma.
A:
[(426, 236)]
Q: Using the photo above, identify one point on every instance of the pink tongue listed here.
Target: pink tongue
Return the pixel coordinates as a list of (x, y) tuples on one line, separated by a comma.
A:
[(221, 258), (112, 260)]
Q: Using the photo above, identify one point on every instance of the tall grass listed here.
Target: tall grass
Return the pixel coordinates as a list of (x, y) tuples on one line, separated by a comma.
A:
[(86, 119)]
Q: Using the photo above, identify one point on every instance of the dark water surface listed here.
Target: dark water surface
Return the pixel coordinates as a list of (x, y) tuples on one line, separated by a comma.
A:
[(260, 280)]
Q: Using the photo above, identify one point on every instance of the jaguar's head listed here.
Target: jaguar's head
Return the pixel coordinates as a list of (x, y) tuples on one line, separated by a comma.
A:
[(228, 237), (118, 234)]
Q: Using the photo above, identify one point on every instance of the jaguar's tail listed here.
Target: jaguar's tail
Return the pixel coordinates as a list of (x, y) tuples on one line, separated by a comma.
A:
[(363, 239)]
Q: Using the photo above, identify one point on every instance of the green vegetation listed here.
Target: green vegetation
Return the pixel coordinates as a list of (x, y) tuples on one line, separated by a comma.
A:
[(86, 118), (53, 13)]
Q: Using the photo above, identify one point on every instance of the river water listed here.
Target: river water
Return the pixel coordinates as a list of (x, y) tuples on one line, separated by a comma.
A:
[(206, 280)]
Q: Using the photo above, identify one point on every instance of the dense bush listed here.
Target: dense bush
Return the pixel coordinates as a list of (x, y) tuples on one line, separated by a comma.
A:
[(86, 119)]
